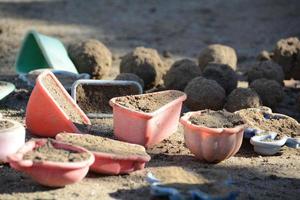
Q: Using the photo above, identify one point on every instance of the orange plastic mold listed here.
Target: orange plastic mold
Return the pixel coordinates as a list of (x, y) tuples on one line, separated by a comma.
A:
[(48, 173), (112, 164), (143, 128), (211, 144), (44, 116)]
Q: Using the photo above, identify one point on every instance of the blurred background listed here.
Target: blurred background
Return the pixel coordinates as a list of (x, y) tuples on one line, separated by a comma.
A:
[(175, 28)]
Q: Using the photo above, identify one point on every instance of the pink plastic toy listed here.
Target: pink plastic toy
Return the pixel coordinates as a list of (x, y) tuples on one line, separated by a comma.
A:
[(112, 164), (211, 144), (44, 116), (48, 173), (11, 139), (143, 128)]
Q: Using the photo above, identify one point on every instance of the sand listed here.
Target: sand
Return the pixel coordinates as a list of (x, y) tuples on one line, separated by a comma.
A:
[(48, 152), (104, 145), (216, 119), (5, 124), (149, 102), (181, 28)]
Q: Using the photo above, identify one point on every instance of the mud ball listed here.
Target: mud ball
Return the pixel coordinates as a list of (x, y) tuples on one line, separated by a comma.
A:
[(217, 53), (266, 69), (92, 57), (269, 91), (285, 54), (145, 63), (264, 55), (203, 94), (180, 73), (241, 98), (130, 77), (223, 74)]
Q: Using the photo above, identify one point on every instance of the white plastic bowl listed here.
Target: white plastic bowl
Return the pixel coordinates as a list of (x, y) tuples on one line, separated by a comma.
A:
[(11, 139), (267, 147)]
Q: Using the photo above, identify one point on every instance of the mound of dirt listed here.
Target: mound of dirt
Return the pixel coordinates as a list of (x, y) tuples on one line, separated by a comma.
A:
[(242, 98), (130, 77), (217, 53), (216, 119), (184, 180), (264, 55), (48, 152), (286, 52), (180, 73), (266, 69), (145, 63), (269, 91), (223, 74), (92, 57), (283, 125), (203, 94)]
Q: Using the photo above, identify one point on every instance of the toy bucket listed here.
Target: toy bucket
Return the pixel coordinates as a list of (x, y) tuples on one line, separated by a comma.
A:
[(143, 128), (44, 115)]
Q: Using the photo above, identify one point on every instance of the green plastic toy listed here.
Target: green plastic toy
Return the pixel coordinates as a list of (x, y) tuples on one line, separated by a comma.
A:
[(41, 51)]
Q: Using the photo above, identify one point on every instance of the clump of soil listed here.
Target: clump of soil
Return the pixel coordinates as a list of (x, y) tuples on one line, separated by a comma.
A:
[(184, 180), (180, 73), (217, 53), (4, 124), (92, 57), (145, 63), (285, 54), (95, 98), (266, 69), (203, 94), (241, 98), (104, 145), (269, 91), (216, 119), (148, 102), (130, 77), (62, 100), (255, 118), (264, 55), (48, 152), (223, 74)]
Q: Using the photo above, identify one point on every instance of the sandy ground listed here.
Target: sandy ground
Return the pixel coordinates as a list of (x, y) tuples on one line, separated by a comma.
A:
[(181, 28)]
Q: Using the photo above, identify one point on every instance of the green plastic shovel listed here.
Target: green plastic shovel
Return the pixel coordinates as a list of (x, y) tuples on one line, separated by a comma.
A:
[(41, 51)]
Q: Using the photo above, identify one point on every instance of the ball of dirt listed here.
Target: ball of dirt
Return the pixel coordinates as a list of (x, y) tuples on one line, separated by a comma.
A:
[(180, 73), (130, 77), (269, 91), (203, 94), (285, 54), (264, 55), (92, 57), (217, 53), (266, 69), (145, 63), (223, 74), (241, 98)]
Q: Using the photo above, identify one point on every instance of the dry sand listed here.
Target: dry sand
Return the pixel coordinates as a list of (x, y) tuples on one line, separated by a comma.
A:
[(179, 29)]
